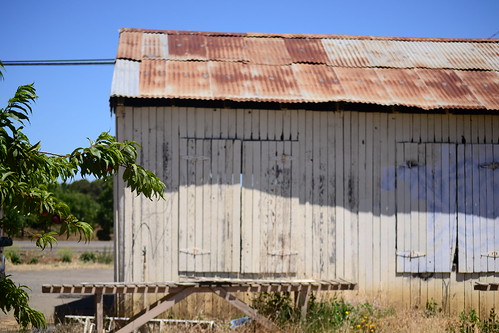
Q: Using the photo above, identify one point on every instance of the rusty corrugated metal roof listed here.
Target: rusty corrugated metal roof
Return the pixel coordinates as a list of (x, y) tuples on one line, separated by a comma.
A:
[(416, 72)]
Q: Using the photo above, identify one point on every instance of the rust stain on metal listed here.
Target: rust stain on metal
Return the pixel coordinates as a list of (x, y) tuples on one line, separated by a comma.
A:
[(187, 47), (418, 72), (404, 86), (448, 88), (130, 46), (363, 84), (187, 79), (231, 80), (306, 50), (267, 51), (152, 78), (227, 48), (318, 82), (484, 85)]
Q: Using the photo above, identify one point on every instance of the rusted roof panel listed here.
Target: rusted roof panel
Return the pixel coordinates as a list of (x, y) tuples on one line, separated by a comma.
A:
[(155, 46), (267, 51), (318, 83), (230, 80), (425, 73), (405, 87), (187, 79), (347, 53), (227, 48), (152, 78), (484, 86), (187, 47), (448, 88), (306, 50), (362, 84), (273, 83), (130, 46)]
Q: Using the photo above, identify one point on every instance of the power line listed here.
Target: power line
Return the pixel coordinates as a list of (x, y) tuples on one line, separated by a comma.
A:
[(78, 62), (497, 33)]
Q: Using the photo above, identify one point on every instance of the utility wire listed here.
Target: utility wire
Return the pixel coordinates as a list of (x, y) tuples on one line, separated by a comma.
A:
[(497, 33), (58, 62)]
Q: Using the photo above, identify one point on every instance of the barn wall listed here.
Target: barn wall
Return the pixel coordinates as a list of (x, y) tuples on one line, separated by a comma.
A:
[(343, 221)]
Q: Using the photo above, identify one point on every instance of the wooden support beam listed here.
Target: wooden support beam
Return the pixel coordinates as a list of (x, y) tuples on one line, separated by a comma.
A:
[(302, 298), (155, 309), (222, 292), (99, 312)]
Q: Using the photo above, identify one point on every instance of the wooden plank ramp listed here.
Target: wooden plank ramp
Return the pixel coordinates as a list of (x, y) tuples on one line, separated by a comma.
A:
[(177, 291)]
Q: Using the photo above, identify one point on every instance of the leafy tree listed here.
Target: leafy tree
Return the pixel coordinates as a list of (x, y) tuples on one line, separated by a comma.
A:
[(27, 174)]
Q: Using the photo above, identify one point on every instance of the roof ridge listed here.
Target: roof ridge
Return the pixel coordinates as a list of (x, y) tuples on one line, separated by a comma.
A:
[(310, 36)]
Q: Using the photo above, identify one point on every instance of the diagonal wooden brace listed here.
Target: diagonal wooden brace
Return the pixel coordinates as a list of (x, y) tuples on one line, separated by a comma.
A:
[(223, 293), (155, 309)]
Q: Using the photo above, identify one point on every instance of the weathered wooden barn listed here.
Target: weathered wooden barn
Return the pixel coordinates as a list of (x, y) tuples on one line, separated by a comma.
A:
[(369, 159)]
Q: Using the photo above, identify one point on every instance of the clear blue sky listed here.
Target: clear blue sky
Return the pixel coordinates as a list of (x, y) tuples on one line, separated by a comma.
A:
[(73, 101)]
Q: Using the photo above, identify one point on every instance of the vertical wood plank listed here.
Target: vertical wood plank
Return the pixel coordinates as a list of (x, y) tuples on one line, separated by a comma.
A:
[(340, 199), (136, 243), (258, 220), (376, 211), (228, 218), (368, 223), (304, 255), (317, 240), (349, 195), (175, 186), (214, 202), (207, 216), (385, 225), (191, 199), (287, 159), (331, 198), (363, 247), (247, 208), (296, 226), (265, 208), (309, 260), (236, 193), (390, 213)]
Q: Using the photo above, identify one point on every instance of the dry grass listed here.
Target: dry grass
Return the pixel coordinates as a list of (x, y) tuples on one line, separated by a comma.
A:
[(57, 265)]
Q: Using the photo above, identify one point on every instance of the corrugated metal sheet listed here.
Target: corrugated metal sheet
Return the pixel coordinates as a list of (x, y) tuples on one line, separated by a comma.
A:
[(155, 46), (126, 78), (425, 73)]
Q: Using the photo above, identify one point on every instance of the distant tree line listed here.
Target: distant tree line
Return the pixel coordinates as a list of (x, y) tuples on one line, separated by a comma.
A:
[(92, 201)]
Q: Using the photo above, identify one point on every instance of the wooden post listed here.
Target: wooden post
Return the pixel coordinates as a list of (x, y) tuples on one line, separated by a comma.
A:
[(155, 309), (302, 298), (99, 312), (236, 302)]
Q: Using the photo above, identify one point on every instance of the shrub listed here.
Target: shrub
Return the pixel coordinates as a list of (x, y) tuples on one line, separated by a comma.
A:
[(322, 316), (12, 253), (88, 256), (33, 261), (470, 323), (66, 255), (105, 257)]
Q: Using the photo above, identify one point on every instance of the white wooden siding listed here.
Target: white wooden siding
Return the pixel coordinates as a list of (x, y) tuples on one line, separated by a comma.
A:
[(479, 220), (345, 214), (426, 177)]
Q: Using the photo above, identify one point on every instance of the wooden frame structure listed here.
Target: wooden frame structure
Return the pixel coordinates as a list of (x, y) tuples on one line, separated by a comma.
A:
[(177, 291)]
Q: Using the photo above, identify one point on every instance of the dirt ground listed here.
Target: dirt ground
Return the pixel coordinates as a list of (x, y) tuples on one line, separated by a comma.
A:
[(34, 276)]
